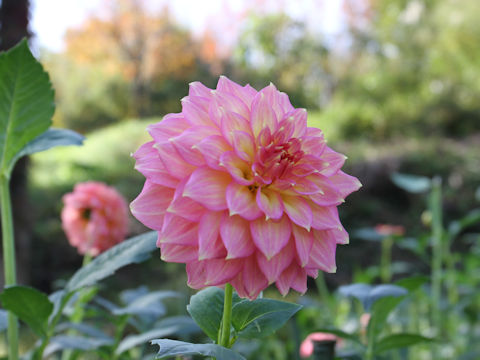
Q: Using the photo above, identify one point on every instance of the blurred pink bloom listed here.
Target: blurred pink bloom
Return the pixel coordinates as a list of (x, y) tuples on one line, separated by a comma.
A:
[(306, 348), (94, 217), (242, 191), (389, 230)]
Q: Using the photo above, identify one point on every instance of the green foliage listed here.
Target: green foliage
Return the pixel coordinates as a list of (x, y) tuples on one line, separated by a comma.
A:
[(261, 317), (398, 341), (26, 103), (29, 305), (173, 348), (206, 308)]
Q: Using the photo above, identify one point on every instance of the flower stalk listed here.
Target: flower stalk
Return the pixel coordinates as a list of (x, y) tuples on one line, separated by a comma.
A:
[(9, 261), (227, 317)]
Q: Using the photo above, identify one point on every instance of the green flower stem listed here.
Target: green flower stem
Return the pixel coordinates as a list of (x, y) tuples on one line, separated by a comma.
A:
[(325, 296), (227, 316), (437, 251), (386, 260), (9, 260)]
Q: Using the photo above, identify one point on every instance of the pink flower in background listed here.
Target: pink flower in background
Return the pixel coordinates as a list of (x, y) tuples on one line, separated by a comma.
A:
[(242, 191), (306, 348), (390, 230), (94, 217)]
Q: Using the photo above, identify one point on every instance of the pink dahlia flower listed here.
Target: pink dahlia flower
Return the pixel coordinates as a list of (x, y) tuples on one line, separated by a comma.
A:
[(94, 217), (242, 191)]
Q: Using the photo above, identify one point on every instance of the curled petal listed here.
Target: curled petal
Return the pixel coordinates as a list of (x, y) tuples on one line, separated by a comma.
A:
[(270, 202), (196, 88), (324, 217), (295, 123), (171, 126), (238, 168), (322, 254), (184, 206), (250, 281), (149, 164), (345, 183), (335, 161), (241, 201), (298, 210), (212, 148), (186, 143), (172, 161), (208, 187), (230, 123), (271, 236), (209, 242), (195, 110), (293, 277), (328, 194), (305, 186), (231, 103), (303, 243), (244, 145), (236, 237), (212, 272), (277, 100), (151, 205), (178, 230), (177, 253), (277, 264), (263, 115), (245, 93)]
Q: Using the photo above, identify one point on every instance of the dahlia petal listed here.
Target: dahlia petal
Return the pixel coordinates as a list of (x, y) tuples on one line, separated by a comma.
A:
[(335, 161), (299, 280), (184, 206), (314, 145), (208, 187), (328, 194), (196, 88), (244, 145), (305, 186), (309, 161), (285, 280), (149, 164), (212, 147), (270, 202), (271, 236), (150, 206), (298, 210), (265, 137), (172, 161), (277, 264), (211, 272), (278, 101), (209, 244), (250, 281), (238, 168), (339, 235), (313, 273), (262, 116), (296, 122), (246, 94), (324, 217), (236, 237), (195, 110), (322, 254), (170, 126), (231, 103), (177, 253), (231, 122), (345, 183), (186, 143), (303, 243), (178, 230), (241, 201)]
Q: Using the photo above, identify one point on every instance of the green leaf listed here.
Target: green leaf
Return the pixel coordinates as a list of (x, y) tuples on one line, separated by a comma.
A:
[(165, 328), (149, 304), (380, 311), (62, 342), (368, 294), (49, 139), (3, 320), (456, 227), (398, 341), (82, 328), (261, 317), (412, 283), (174, 348), (29, 305), (134, 250), (412, 183), (206, 308), (341, 334), (26, 103)]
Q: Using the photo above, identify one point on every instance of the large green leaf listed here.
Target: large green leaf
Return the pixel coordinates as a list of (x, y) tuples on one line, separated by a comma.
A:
[(206, 308), (47, 140), (398, 341), (30, 305), (134, 250), (62, 342), (169, 327), (261, 317), (380, 311), (368, 294), (26, 102), (149, 304), (173, 348)]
